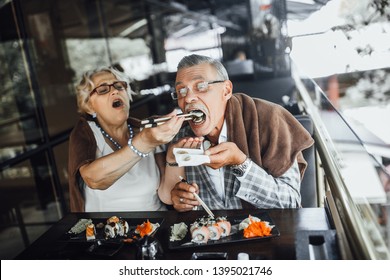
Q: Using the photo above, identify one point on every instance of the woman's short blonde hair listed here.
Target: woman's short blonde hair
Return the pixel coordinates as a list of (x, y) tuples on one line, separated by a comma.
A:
[(85, 86)]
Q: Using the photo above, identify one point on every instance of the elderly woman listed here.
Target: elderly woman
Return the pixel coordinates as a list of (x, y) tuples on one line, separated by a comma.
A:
[(113, 165)]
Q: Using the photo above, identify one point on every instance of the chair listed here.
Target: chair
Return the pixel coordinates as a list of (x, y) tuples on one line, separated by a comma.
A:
[(269, 89), (309, 181)]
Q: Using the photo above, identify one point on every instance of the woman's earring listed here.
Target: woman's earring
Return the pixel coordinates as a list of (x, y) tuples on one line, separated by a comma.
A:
[(94, 115)]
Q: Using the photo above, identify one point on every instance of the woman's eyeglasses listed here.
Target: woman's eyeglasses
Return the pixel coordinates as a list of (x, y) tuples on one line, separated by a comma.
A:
[(103, 89), (201, 87)]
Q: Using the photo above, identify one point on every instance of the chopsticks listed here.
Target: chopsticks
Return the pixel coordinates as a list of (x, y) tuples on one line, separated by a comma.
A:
[(200, 200), (155, 122)]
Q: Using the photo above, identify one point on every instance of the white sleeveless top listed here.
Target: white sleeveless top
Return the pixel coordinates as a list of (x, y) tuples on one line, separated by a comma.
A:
[(134, 191)]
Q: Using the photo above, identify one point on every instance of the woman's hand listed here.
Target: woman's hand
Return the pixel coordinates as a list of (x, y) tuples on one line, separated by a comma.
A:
[(165, 132), (149, 138)]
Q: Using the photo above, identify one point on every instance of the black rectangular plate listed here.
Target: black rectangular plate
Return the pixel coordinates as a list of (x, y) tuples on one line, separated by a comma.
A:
[(235, 237)]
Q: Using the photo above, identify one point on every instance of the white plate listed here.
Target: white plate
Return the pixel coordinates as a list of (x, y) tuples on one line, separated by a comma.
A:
[(190, 157)]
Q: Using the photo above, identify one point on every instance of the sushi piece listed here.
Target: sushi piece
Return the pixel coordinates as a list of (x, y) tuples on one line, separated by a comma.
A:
[(215, 230), (123, 228), (225, 226), (113, 219), (111, 230), (193, 226), (200, 234), (90, 232)]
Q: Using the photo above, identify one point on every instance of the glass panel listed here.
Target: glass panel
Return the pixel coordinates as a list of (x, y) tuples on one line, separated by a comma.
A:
[(206, 43), (363, 171), (28, 203), (343, 49), (19, 126), (49, 61), (86, 54)]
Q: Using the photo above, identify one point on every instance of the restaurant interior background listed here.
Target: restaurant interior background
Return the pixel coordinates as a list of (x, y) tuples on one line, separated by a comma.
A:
[(46, 44)]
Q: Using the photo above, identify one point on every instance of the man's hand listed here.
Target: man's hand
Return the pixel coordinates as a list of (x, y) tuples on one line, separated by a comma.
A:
[(187, 143), (224, 154), (183, 198)]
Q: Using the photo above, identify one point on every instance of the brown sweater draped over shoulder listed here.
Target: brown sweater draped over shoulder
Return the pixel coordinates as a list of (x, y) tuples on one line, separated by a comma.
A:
[(266, 132), (82, 150)]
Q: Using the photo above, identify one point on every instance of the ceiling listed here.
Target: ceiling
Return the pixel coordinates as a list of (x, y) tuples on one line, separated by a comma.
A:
[(83, 19), (180, 17)]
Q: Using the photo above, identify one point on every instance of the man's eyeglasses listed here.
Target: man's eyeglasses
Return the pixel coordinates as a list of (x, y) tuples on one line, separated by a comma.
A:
[(103, 89), (201, 87)]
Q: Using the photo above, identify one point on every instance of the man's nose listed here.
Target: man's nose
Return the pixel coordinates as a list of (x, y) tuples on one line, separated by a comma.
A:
[(190, 96)]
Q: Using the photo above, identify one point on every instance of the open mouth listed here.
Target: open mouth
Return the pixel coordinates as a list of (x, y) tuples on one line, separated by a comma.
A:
[(198, 116), (117, 103)]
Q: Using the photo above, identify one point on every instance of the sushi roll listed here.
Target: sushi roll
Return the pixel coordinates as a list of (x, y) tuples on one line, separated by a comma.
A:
[(111, 230), (113, 219), (123, 228), (90, 232), (225, 226), (200, 234), (215, 230), (193, 226)]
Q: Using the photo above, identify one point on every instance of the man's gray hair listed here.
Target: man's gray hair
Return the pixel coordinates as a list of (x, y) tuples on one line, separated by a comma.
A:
[(195, 59)]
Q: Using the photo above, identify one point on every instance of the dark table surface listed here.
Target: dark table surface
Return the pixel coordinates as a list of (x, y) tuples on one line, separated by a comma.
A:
[(55, 244)]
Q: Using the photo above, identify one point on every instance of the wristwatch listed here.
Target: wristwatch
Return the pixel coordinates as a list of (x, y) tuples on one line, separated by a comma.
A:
[(239, 169)]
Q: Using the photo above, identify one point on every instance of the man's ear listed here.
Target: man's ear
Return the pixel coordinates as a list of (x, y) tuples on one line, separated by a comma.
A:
[(228, 89)]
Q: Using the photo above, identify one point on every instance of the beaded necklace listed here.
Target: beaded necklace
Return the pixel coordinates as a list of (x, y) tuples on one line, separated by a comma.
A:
[(116, 144)]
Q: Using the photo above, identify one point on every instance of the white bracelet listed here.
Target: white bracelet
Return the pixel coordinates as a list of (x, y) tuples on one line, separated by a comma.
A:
[(134, 149)]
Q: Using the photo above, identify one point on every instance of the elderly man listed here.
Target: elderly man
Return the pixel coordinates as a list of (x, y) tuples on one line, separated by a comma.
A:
[(256, 146)]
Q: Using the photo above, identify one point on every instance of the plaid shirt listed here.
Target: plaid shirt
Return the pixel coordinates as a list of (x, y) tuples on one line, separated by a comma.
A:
[(257, 187)]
